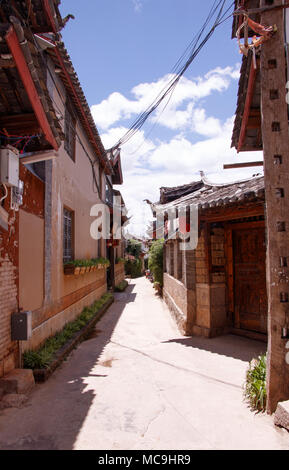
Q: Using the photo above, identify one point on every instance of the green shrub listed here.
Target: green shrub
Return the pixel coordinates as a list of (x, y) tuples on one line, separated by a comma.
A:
[(133, 268), (121, 286), (81, 263), (156, 262), (41, 358), (134, 248), (255, 387)]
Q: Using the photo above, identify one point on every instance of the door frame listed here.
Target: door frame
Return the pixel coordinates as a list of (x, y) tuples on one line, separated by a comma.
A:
[(230, 268)]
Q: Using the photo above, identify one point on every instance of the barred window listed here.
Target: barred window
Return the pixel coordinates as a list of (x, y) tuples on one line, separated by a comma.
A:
[(68, 222), (70, 133)]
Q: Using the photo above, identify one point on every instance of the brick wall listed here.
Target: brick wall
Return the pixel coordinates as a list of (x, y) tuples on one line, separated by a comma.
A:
[(8, 289), (202, 274), (218, 255), (8, 304)]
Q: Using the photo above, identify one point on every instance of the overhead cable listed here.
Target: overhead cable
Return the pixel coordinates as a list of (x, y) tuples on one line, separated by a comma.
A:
[(217, 11)]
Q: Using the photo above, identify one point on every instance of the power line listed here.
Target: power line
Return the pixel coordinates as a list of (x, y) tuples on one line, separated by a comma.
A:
[(219, 12)]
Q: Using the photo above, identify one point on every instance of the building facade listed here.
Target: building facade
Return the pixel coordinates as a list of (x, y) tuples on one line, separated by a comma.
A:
[(262, 124), (219, 287), (64, 170)]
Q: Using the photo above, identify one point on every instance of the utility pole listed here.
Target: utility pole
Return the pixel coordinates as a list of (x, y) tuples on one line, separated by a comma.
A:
[(276, 170)]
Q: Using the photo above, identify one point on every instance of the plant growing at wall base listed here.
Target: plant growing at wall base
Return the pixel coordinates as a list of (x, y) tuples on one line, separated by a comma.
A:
[(158, 288), (255, 386), (121, 286), (42, 357), (156, 261)]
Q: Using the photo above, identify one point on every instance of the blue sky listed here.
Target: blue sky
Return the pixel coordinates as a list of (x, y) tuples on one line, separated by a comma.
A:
[(122, 51)]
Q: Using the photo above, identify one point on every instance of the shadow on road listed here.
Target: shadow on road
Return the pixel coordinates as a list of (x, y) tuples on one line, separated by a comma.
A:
[(236, 347), (57, 409)]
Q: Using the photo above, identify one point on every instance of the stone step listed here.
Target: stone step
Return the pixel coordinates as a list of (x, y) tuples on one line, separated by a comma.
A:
[(13, 400), (19, 381), (282, 415)]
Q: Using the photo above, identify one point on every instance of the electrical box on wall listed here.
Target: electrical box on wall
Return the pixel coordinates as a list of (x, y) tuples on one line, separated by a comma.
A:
[(21, 326), (9, 167)]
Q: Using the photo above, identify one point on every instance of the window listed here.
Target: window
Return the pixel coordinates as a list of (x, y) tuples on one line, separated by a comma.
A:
[(70, 133), (179, 263), (68, 229)]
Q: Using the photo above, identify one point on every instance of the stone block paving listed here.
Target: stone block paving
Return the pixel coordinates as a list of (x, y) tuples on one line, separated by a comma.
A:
[(137, 383)]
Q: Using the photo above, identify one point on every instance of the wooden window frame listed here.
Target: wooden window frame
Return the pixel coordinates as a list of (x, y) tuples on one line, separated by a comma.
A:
[(68, 258)]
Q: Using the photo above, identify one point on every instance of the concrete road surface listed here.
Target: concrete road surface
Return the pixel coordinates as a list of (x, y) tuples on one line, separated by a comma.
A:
[(138, 384)]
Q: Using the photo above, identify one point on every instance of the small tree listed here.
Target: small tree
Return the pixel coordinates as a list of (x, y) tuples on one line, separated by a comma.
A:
[(156, 256), (133, 268), (134, 248)]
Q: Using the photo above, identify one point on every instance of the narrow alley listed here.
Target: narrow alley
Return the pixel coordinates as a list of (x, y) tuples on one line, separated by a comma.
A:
[(138, 384)]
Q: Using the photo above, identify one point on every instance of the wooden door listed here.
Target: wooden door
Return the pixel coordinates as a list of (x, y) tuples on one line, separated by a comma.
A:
[(249, 251)]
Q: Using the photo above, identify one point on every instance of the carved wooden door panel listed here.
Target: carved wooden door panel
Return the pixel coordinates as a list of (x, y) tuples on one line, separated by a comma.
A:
[(249, 248)]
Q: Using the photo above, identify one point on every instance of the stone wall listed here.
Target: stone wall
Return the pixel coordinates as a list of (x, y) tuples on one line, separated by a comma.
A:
[(195, 287), (176, 296)]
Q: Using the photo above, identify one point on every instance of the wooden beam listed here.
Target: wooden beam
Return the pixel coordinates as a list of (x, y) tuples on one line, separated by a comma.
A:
[(246, 225), (39, 157), (7, 63), (225, 214), (269, 8), (249, 99), (20, 124), (31, 13), (242, 165), (49, 15), (14, 87), (254, 122), (24, 72), (18, 118), (5, 101)]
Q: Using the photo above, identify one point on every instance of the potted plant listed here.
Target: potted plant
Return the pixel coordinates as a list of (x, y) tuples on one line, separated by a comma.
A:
[(69, 269)]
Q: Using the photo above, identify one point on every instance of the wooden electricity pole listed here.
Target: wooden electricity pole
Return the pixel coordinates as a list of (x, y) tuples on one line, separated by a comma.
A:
[(276, 170)]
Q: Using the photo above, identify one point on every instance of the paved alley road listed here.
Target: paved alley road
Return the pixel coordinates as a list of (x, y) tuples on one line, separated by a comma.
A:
[(138, 384)]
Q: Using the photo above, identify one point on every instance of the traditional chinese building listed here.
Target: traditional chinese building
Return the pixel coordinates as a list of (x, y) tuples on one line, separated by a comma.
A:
[(46, 124), (219, 287)]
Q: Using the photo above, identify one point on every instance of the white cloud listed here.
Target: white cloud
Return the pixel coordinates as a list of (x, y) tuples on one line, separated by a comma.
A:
[(150, 163), (174, 163), (117, 107), (134, 153)]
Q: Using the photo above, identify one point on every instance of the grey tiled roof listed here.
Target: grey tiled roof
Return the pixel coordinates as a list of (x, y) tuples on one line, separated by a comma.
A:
[(212, 195)]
